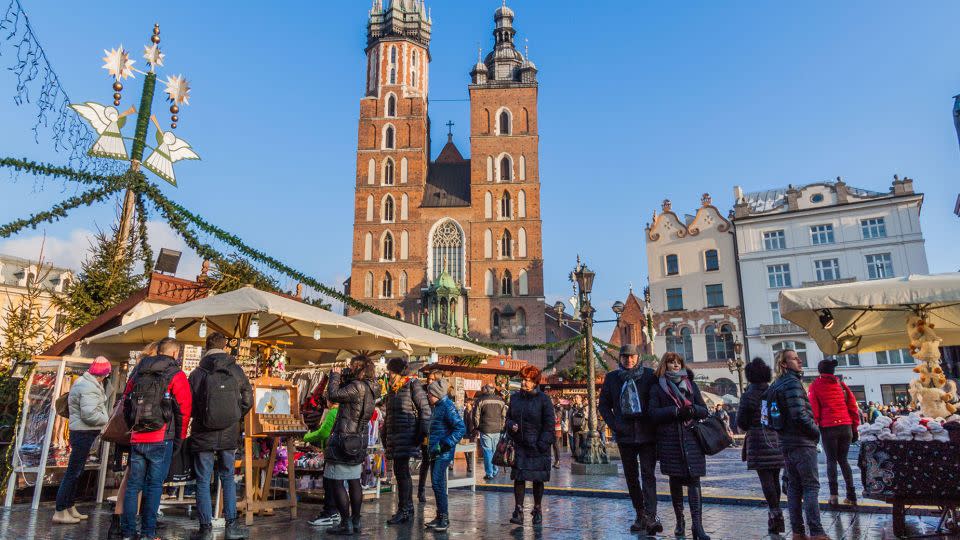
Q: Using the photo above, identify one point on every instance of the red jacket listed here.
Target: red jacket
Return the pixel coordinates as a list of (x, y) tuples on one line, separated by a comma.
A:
[(833, 403), (179, 388)]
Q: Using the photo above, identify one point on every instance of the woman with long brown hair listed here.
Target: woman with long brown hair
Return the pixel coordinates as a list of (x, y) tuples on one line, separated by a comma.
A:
[(675, 405)]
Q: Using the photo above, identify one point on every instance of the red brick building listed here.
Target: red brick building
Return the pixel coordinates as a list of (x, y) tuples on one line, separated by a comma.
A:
[(453, 244)]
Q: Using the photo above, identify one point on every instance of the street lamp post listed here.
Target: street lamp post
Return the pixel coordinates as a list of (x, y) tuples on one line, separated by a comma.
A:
[(735, 365), (592, 452)]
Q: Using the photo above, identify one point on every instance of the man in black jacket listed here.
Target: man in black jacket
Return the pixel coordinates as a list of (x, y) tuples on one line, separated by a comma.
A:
[(799, 435), (636, 437), (489, 410), (222, 396)]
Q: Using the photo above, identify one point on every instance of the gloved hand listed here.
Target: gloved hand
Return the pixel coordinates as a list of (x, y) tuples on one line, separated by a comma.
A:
[(435, 451), (685, 412)]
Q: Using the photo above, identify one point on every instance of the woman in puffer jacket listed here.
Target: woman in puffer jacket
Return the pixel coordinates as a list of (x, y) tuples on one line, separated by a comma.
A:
[(675, 405), (835, 410), (761, 448), (406, 424), (88, 414)]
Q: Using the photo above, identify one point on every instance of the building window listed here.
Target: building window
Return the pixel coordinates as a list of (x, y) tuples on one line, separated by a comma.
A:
[(894, 357), (393, 75), (798, 346), (447, 246), (778, 276), (816, 198), (827, 269), (674, 299), (712, 260), (821, 234), (673, 265), (715, 295), (845, 360), (895, 393), (504, 123), (774, 240), (391, 106), (505, 206), (506, 169), (873, 228), (495, 322), (388, 209), (387, 289), (388, 172), (719, 344), (393, 55), (775, 313), (681, 344), (879, 266), (388, 247), (388, 138), (506, 284), (506, 245)]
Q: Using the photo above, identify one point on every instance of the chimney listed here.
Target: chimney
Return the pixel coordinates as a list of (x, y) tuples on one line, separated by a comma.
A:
[(843, 194), (902, 187), (793, 198)]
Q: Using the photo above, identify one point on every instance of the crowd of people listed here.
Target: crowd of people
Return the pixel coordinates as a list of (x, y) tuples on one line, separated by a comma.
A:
[(782, 420)]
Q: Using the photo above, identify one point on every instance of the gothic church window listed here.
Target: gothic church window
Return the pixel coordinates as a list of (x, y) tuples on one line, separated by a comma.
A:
[(388, 209), (506, 284), (504, 123), (389, 137), (505, 206), (391, 106), (393, 75), (388, 172), (506, 246), (387, 287), (506, 169), (447, 247), (387, 246)]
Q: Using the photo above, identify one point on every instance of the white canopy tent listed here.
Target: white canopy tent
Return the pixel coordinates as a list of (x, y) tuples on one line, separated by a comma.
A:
[(423, 341), (277, 317), (871, 316)]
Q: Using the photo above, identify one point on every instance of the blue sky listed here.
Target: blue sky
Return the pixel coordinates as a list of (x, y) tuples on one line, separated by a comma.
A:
[(639, 101)]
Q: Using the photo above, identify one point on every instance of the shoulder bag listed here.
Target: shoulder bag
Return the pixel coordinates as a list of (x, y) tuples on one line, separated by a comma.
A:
[(353, 444), (712, 435), (505, 454)]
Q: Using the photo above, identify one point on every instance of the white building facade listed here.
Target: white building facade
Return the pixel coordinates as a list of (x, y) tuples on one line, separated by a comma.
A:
[(821, 234), (694, 293)]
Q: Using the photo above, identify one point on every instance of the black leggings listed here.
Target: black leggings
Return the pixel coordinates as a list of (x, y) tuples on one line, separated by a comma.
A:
[(519, 487), (401, 471), (329, 503), (836, 444), (348, 505), (425, 467), (770, 483)]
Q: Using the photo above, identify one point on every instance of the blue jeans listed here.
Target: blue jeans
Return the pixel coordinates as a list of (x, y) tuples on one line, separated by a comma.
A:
[(488, 444), (80, 444), (438, 479), (148, 469), (803, 488), (203, 467)]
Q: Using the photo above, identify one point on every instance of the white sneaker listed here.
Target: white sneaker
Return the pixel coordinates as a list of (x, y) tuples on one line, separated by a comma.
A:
[(323, 520)]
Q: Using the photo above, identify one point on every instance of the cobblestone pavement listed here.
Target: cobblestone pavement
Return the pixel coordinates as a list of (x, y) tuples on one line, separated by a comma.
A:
[(727, 476), (481, 515)]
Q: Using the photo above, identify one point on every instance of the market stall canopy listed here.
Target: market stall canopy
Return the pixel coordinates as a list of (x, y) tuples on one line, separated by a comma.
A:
[(422, 340), (711, 399), (871, 316), (278, 319)]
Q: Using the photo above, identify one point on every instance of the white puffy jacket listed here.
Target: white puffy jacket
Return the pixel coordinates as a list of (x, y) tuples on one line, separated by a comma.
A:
[(88, 405)]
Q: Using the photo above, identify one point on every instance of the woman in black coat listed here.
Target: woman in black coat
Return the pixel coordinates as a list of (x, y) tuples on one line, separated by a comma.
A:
[(406, 423), (346, 449), (530, 423), (761, 448), (675, 405)]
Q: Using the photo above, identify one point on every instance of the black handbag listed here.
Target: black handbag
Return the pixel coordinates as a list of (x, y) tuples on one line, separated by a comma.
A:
[(712, 435)]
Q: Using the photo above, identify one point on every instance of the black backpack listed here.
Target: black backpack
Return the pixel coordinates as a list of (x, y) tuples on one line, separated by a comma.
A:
[(220, 407), (577, 419), (148, 406)]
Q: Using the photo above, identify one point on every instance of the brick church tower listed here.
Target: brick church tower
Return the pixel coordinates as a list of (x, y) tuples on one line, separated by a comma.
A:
[(453, 244)]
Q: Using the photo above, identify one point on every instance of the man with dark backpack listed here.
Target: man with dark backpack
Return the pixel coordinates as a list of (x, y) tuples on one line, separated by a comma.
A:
[(157, 405), (222, 396), (622, 405)]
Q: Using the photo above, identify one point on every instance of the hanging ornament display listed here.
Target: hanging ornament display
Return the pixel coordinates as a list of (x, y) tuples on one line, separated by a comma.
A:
[(178, 91), (118, 64)]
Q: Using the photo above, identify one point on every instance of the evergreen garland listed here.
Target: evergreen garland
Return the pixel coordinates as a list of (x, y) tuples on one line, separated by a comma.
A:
[(60, 210), (32, 167), (145, 249)]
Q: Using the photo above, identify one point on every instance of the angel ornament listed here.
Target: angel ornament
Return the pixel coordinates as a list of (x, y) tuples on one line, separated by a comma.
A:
[(107, 122), (170, 149)]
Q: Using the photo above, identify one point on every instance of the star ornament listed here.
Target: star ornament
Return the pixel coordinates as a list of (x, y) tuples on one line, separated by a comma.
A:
[(178, 90), (153, 55), (118, 63)]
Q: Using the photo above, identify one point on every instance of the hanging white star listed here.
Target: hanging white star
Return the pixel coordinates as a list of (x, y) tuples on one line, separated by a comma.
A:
[(118, 63), (153, 55), (178, 90)]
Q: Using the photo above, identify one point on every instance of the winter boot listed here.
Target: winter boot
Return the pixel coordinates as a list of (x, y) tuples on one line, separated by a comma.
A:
[(205, 532), (775, 523), (639, 524), (75, 513), (402, 516), (443, 523), (517, 518), (114, 532), (344, 529), (235, 531), (653, 525), (676, 497), (695, 499), (434, 522), (64, 517), (537, 516)]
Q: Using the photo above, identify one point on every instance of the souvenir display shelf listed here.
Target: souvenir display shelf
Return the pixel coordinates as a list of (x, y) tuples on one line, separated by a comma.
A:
[(41, 443)]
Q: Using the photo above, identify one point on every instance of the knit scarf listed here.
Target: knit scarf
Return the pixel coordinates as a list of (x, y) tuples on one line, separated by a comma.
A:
[(677, 386), (394, 388)]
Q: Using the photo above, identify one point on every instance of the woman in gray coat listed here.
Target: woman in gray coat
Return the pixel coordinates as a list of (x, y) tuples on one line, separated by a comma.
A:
[(88, 415)]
